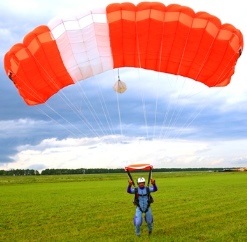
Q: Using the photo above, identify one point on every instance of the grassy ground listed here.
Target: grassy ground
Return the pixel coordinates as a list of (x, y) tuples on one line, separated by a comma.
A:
[(189, 206)]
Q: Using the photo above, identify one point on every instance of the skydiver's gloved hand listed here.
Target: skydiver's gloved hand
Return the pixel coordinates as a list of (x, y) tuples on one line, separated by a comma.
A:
[(130, 183), (152, 181)]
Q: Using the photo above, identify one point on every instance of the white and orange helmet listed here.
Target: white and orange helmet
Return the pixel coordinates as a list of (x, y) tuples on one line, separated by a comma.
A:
[(140, 179)]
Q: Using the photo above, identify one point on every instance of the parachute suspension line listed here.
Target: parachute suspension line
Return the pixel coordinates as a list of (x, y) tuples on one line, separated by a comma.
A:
[(189, 122), (118, 91), (68, 102), (34, 94), (91, 109), (177, 114), (105, 110), (119, 87), (53, 110), (168, 109), (116, 137), (158, 78), (194, 116), (119, 112), (144, 111), (192, 84), (78, 111), (71, 105), (94, 114), (164, 125), (63, 126), (139, 78)]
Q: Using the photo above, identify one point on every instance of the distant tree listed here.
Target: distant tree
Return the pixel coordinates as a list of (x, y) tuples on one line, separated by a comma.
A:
[(18, 172)]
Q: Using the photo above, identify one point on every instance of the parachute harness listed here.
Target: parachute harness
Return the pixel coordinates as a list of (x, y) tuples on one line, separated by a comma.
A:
[(149, 197)]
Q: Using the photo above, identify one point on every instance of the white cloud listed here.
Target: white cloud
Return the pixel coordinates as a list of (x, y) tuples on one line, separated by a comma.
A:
[(21, 127), (106, 152)]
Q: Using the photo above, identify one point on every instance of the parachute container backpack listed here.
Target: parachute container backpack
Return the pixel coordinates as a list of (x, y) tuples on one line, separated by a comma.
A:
[(140, 167)]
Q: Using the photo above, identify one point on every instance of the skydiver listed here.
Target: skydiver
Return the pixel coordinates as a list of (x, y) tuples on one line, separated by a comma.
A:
[(142, 202)]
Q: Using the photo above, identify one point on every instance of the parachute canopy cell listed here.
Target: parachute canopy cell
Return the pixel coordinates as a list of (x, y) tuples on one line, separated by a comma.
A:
[(171, 39)]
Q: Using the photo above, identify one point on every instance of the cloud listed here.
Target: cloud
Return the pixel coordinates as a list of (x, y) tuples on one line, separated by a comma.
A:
[(117, 152)]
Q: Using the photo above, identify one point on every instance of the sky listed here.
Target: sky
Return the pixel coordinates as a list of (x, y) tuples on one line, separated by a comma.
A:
[(169, 122)]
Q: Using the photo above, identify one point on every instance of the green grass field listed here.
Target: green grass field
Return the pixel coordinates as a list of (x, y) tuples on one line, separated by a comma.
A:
[(189, 206)]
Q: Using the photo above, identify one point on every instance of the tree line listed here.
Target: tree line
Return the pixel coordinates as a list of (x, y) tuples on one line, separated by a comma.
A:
[(28, 172)]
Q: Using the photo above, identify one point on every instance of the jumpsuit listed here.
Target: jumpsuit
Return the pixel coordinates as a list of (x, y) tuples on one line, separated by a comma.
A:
[(143, 208)]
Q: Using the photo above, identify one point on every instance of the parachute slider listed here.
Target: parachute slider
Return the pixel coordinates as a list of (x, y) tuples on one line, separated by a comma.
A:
[(120, 86)]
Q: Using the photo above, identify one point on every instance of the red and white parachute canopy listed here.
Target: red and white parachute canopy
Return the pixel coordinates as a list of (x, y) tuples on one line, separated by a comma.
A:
[(171, 39)]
